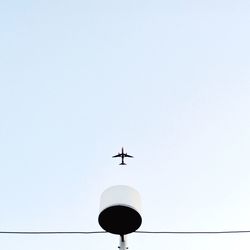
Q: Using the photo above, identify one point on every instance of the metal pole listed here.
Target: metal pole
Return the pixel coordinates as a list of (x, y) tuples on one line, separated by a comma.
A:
[(123, 242)]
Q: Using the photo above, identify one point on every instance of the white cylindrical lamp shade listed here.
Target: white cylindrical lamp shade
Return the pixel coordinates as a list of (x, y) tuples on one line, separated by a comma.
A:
[(120, 209)]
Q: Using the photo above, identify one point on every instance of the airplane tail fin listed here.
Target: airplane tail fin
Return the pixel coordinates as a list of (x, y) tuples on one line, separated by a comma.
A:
[(122, 163)]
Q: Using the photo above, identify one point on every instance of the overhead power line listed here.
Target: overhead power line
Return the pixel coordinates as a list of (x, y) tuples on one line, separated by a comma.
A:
[(50, 232), (140, 232), (194, 232)]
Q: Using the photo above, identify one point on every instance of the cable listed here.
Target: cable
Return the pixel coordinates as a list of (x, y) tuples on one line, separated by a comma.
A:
[(140, 232), (47, 232), (194, 232)]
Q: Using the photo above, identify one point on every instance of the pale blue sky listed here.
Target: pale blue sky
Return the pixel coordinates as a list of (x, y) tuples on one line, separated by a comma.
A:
[(168, 80)]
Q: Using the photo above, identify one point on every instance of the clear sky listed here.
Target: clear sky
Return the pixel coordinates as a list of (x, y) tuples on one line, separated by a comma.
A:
[(168, 80)]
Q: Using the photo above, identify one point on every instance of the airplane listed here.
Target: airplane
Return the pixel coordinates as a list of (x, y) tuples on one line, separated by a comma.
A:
[(122, 155)]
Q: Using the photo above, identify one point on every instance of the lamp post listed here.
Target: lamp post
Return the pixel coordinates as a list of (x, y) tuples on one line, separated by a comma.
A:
[(120, 208)]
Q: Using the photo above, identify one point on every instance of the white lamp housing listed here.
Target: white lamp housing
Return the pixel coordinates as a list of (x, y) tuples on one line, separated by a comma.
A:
[(120, 208)]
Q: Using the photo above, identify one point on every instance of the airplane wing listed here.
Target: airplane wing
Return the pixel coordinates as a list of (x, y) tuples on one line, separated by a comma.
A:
[(118, 155), (126, 155)]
